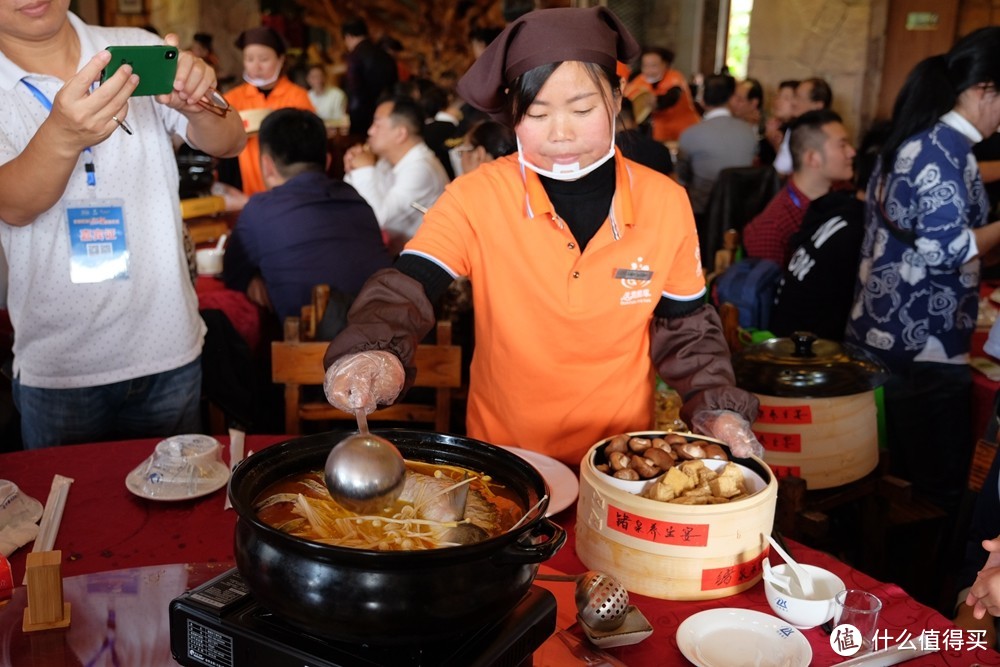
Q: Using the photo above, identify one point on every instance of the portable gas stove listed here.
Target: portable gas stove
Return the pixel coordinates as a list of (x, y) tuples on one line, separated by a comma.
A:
[(219, 624)]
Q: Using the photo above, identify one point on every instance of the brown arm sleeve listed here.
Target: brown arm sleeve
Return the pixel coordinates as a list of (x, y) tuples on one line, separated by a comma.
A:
[(691, 355), (390, 313)]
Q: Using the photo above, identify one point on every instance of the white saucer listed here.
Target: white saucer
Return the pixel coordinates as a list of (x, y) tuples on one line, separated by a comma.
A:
[(633, 630), (563, 484), (730, 636), (181, 467), (215, 478)]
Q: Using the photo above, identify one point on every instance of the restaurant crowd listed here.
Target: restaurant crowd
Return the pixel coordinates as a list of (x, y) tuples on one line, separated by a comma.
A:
[(877, 245)]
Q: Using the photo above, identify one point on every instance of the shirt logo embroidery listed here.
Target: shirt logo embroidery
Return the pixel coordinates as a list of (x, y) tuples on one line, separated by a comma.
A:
[(635, 280)]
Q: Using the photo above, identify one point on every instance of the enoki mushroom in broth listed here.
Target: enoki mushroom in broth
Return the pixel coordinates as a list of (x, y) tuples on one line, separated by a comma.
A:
[(428, 515)]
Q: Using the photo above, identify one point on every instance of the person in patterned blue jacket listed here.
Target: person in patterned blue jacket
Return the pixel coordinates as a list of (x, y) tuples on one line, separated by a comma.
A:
[(926, 231)]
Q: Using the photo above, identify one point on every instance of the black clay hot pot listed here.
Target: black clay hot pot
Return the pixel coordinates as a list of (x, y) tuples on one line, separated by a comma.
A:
[(390, 597)]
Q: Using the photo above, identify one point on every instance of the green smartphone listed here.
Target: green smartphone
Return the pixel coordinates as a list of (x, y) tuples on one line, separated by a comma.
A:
[(156, 66)]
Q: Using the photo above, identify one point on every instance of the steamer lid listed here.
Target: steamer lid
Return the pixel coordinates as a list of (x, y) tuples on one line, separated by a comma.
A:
[(804, 366)]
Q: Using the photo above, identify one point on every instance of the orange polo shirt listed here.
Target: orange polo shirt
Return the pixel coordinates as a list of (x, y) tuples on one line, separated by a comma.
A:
[(562, 338), (246, 97), (668, 123)]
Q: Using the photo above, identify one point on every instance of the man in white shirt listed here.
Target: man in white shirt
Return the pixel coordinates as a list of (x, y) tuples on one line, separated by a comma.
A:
[(395, 171), (108, 337), (810, 95)]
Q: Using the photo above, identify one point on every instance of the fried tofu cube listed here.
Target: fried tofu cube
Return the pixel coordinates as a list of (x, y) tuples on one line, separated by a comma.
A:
[(691, 500), (700, 490), (677, 481), (729, 483), (661, 492), (725, 487), (692, 469)]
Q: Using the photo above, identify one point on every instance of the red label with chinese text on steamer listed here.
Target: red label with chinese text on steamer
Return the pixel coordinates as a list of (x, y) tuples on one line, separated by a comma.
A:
[(732, 575), (780, 472), (657, 530), (786, 443), (785, 414)]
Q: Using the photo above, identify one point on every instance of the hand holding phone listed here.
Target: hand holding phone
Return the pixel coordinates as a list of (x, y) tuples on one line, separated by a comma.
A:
[(156, 67)]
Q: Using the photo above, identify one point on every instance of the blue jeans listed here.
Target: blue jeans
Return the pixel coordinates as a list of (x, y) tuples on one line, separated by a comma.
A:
[(153, 406)]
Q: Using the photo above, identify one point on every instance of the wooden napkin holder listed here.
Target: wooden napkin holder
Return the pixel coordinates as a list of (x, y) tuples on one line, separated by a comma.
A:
[(46, 608)]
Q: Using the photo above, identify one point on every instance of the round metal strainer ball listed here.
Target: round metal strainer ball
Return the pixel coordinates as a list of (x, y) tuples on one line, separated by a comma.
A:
[(601, 601)]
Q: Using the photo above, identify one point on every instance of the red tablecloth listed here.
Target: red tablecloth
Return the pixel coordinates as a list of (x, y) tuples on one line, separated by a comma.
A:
[(243, 313), (105, 527)]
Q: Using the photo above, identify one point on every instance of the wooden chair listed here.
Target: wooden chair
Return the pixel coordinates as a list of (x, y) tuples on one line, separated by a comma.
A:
[(206, 218), (982, 460), (297, 362), (738, 195), (728, 313)]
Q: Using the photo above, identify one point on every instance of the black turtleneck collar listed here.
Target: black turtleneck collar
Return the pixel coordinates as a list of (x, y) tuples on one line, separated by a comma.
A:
[(584, 203)]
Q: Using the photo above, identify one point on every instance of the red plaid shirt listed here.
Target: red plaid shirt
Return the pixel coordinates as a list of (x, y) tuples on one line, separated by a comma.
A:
[(769, 234)]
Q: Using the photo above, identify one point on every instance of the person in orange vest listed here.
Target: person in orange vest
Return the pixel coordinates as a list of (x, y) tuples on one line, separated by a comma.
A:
[(675, 110), (266, 88)]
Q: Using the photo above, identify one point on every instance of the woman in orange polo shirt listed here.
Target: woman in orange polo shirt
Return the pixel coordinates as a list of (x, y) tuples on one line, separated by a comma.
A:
[(265, 87), (584, 265)]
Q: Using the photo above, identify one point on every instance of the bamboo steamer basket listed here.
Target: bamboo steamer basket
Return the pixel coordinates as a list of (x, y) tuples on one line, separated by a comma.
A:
[(818, 418), (670, 551)]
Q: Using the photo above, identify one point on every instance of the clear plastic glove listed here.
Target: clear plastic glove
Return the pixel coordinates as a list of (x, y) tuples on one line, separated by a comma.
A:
[(363, 381), (731, 428)]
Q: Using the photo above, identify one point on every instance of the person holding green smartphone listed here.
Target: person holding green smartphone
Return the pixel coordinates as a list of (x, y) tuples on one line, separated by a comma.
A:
[(108, 336)]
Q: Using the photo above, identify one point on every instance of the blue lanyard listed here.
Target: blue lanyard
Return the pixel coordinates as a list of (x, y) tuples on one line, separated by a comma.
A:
[(88, 165), (794, 197)]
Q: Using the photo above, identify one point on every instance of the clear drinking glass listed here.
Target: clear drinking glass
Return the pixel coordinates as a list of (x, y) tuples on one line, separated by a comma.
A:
[(860, 609)]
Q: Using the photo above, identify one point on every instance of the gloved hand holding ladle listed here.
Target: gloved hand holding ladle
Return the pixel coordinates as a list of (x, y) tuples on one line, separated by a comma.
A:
[(364, 473)]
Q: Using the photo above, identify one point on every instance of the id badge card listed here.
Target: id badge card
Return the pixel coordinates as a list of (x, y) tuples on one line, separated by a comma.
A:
[(98, 248)]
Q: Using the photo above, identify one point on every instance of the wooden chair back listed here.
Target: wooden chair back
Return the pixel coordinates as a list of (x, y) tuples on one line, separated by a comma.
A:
[(982, 460), (297, 362), (728, 313)]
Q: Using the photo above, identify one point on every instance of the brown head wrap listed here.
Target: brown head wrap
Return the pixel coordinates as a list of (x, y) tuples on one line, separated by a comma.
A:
[(544, 36), (264, 36)]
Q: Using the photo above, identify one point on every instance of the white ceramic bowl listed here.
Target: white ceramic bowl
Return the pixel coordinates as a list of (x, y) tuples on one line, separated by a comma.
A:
[(209, 261), (800, 612)]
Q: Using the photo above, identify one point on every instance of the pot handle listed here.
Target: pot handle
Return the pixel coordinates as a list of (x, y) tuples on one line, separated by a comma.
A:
[(529, 547)]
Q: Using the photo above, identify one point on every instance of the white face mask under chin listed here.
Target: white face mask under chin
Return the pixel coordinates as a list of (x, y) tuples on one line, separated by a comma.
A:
[(455, 157), (260, 83), (566, 172)]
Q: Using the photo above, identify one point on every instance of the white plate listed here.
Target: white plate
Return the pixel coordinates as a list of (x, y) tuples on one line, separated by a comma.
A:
[(563, 484), (217, 478), (727, 637), (181, 467)]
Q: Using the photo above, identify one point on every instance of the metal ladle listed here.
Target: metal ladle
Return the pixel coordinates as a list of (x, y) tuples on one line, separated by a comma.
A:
[(364, 472), (601, 600)]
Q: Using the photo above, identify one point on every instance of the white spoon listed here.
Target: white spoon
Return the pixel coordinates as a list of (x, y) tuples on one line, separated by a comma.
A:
[(780, 581), (221, 243), (801, 577)]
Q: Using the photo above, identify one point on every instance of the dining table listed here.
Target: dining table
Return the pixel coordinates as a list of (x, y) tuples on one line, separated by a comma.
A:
[(124, 557)]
